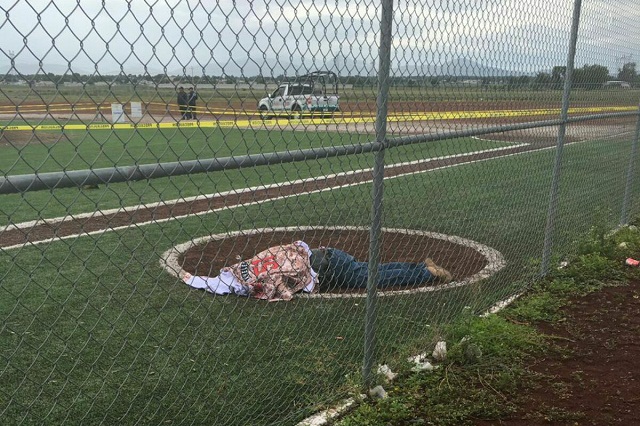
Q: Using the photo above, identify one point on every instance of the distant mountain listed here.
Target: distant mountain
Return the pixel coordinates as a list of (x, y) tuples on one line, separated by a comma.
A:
[(27, 68), (461, 67), (34, 67)]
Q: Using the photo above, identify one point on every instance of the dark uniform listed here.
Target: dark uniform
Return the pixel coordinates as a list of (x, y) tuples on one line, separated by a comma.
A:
[(183, 103), (192, 97)]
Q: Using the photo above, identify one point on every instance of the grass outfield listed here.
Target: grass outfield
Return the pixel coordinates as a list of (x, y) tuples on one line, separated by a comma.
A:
[(364, 97), (94, 330), (97, 149)]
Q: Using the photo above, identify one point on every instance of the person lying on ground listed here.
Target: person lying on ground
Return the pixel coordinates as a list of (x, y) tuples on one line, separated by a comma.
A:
[(339, 269), (279, 272)]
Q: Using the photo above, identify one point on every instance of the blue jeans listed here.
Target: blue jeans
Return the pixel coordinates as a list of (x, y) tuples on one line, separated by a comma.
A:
[(344, 271)]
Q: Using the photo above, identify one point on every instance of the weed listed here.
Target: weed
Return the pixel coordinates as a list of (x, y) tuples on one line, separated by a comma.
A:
[(486, 364), (555, 414)]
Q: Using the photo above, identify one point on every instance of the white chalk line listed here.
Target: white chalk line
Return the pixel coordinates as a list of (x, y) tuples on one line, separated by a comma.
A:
[(495, 260), (203, 197), (252, 203), (150, 206), (251, 189)]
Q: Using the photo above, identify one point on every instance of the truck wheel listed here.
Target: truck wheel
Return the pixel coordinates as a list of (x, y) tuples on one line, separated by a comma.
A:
[(263, 113), (296, 111)]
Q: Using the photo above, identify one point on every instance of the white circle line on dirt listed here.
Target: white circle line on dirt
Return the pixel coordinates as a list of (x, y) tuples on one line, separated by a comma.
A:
[(495, 260)]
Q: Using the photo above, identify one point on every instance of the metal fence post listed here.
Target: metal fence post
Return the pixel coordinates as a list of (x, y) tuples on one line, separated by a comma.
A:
[(386, 23), (564, 113), (624, 217)]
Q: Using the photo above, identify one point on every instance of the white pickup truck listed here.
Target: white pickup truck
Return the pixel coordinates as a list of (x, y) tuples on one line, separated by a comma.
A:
[(312, 93)]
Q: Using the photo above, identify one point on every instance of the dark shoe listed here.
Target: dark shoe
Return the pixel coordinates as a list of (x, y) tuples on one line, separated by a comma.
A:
[(438, 272)]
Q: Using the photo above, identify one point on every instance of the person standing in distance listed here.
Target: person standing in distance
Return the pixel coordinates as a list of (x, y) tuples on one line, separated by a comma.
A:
[(183, 103), (192, 97)]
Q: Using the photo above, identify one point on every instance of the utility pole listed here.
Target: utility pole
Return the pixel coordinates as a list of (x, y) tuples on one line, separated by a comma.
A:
[(624, 59)]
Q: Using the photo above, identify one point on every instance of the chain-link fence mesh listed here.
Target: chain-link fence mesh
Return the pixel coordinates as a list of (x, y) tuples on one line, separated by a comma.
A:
[(148, 145)]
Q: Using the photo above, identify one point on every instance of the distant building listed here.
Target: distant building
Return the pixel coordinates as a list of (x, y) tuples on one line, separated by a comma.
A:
[(617, 83)]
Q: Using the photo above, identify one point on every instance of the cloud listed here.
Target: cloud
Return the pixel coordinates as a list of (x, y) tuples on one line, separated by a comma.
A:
[(279, 36)]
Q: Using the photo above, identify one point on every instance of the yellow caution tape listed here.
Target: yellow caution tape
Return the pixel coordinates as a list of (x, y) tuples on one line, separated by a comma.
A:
[(337, 118)]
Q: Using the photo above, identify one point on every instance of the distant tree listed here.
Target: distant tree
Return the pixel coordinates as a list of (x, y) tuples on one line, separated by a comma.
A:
[(558, 73), (158, 78), (517, 82), (628, 72), (543, 80), (590, 76)]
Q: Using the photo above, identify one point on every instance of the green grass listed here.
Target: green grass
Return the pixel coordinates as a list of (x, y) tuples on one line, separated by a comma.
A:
[(485, 372), (364, 96), (465, 386), (94, 330), (97, 149), (76, 150)]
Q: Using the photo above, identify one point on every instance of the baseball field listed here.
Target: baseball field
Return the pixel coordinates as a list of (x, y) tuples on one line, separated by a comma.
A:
[(97, 329)]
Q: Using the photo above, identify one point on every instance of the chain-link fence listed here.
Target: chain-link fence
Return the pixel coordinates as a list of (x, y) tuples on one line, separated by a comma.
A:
[(147, 145)]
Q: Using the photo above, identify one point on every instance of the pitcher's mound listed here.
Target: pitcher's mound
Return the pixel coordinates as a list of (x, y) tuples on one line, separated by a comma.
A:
[(467, 260)]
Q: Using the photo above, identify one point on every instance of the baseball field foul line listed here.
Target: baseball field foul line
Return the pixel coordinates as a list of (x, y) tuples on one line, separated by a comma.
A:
[(27, 225), (102, 213)]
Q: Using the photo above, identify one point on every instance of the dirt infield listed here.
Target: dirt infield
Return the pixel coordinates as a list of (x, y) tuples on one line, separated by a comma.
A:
[(208, 258), (103, 221), (592, 378), (13, 236), (245, 109), (247, 106)]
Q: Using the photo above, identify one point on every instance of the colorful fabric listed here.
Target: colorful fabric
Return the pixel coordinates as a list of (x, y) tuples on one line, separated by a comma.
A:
[(273, 274), (277, 272)]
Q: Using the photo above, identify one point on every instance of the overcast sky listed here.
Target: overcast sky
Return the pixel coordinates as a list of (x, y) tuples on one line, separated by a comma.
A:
[(295, 36)]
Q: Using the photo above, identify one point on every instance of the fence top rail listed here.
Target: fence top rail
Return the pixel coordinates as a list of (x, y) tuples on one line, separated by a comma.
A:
[(76, 178)]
